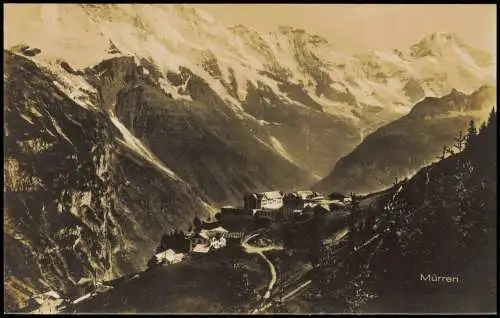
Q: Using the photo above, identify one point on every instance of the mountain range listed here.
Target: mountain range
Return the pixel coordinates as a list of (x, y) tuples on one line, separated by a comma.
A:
[(398, 149), (123, 122), (293, 90)]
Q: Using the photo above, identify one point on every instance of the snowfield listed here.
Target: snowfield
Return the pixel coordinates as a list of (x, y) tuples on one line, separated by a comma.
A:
[(175, 36)]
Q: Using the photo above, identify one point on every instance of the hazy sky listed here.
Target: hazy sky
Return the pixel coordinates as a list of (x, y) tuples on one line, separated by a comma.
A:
[(355, 28)]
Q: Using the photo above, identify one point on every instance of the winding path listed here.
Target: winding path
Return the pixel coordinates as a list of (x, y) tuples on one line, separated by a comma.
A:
[(260, 250)]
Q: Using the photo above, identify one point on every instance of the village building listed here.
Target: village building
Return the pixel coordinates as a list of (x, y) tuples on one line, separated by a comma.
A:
[(309, 210), (316, 209), (294, 203), (169, 257), (217, 231), (322, 208), (197, 242), (296, 209), (264, 200), (206, 240), (217, 242), (302, 196), (234, 237), (200, 249), (270, 214), (232, 210), (317, 197)]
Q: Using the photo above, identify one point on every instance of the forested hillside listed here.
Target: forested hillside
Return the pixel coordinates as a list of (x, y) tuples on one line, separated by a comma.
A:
[(442, 223)]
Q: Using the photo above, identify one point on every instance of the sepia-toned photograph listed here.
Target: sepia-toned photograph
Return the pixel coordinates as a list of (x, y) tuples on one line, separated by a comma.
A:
[(250, 158)]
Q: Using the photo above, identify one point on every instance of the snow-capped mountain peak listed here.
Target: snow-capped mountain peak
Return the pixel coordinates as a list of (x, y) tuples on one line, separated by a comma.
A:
[(175, 36), (442, 36), (436, 44)]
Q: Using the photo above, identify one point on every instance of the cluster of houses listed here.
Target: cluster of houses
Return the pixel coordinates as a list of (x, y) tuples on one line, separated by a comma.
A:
[(199, 241), (210, 239), (265, 205), (275, 204)]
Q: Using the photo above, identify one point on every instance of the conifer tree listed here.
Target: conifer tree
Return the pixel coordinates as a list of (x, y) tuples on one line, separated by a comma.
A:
[(460, 141), (471, 134), (492, 117), (491, 130), (482, 129)]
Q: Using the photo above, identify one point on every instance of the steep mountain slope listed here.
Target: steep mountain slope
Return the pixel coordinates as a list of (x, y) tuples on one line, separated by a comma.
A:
[(262, 78), (88, 112), (441, 223), (125, 121), (400, 148), (82, 199), (201, 139)]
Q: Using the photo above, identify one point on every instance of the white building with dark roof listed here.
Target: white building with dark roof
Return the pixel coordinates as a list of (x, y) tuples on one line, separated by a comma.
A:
[(272, 200), (169, 256), (294, 203), (207, 239)]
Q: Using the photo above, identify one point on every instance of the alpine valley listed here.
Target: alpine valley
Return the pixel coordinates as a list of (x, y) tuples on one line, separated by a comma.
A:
[(124, 122)]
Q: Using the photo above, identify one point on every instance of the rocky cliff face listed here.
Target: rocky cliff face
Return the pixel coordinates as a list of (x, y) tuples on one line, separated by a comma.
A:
[(200, 139), (79, 203), (125, 121)]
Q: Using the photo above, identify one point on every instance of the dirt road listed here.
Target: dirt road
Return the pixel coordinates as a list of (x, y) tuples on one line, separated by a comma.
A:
[(260, 251)]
